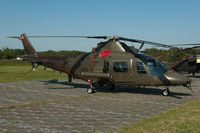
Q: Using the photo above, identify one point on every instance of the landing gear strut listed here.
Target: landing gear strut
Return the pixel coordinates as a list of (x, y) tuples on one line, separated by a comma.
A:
[(91, 89), (69, 78), (166, 92)]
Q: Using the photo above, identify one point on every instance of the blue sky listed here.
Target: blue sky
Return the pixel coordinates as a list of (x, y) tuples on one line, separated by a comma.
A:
[(164, 21)]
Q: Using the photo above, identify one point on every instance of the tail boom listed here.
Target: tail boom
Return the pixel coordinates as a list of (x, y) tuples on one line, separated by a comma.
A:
[(28, 48)]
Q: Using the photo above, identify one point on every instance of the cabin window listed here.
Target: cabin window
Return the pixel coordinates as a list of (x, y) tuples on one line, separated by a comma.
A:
[(140, 68), (120, 67)]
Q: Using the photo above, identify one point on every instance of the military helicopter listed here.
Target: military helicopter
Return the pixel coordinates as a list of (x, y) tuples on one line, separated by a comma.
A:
[(111, 63), (190, 64)]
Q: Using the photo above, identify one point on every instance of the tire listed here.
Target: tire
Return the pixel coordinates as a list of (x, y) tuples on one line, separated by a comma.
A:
[(90, 91), (166, 92)]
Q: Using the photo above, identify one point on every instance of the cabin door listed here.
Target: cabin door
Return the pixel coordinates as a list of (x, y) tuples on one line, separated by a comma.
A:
[(121, 71)]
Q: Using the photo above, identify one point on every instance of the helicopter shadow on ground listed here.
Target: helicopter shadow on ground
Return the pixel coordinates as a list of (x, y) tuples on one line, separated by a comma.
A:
[(68, 84), (195, 76), (119, 89), (146, 91)]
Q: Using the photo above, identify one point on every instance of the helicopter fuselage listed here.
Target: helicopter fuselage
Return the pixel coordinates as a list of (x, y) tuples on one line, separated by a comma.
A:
[(125, 68)]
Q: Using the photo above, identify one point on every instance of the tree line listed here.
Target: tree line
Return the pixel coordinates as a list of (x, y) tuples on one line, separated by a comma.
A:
[(7, 53), (171, 55)]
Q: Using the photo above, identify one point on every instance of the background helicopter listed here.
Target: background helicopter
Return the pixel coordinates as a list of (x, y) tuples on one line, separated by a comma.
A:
[(189, 64), (184, 60), (112, 63)]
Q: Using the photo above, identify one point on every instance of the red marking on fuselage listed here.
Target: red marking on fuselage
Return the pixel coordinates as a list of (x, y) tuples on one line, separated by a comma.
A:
[(104, 53)]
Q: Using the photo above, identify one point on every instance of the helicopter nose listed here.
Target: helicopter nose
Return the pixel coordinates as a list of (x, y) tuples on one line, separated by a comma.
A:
[(177, 79)]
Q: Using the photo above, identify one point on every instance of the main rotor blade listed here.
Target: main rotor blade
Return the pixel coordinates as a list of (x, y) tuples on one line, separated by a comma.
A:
[(12, 36), (106, 37), (191, 48), (195, 45), (146, 42), (95, 37), (190, 44)]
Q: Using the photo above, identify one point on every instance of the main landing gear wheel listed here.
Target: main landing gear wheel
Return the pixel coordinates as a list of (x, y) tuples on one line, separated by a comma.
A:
[(166, 92)]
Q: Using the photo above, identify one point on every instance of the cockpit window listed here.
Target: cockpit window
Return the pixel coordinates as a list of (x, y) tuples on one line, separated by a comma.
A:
[(140, 68), (155, 67), (120, 67)]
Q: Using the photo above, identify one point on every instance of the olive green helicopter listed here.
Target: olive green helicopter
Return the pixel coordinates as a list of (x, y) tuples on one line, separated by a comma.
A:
[(189, 64), (110, 63)]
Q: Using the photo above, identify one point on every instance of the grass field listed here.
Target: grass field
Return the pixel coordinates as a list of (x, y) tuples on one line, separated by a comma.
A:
[(5, 62), (182, 119), (18, 73)]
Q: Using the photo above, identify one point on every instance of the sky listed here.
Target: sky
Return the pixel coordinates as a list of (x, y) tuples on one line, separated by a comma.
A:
[(163, 21)]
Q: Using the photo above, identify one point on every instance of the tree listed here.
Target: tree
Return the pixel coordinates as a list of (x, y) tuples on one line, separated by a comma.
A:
[(7, 53), (17, 52), (1, 54)]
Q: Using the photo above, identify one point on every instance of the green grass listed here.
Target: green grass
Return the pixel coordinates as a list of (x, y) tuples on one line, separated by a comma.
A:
[(5, 62), (18, 73), (182, 119)]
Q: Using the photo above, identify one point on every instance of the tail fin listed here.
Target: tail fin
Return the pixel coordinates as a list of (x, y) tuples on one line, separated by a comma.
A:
[(28, 48)]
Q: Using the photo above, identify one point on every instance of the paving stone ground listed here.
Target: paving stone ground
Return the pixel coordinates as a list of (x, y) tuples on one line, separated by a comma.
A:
[(46, 106)]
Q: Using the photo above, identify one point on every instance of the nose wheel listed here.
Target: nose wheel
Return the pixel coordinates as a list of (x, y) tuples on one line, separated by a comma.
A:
[(91, 89), (166, 92)]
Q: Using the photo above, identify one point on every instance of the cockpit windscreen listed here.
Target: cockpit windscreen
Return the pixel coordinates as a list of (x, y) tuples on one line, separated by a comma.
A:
[(154, 66)]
